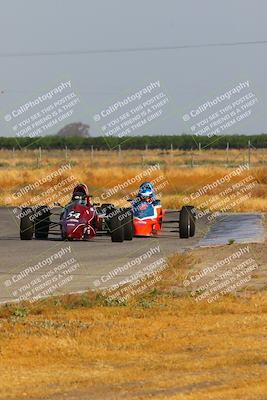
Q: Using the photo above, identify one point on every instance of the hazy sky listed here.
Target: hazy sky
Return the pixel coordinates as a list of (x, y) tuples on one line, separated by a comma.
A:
[(189, 76)]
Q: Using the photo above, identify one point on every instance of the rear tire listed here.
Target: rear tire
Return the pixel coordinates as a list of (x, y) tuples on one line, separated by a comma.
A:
[(184, 223), (42, 222), (26, 224), (116, 229)]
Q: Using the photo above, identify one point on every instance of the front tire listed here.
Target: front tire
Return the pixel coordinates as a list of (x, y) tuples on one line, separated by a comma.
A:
[(192, 220), (184, 223)]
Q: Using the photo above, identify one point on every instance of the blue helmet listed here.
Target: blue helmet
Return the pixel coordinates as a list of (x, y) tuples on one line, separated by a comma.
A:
[(146, 190), (147, 185)]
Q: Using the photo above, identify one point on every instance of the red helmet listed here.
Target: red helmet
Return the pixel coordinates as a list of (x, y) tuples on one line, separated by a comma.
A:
[(81, 188)]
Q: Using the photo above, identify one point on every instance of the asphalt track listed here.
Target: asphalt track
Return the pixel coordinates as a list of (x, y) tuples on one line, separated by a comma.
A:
[(29, 269)]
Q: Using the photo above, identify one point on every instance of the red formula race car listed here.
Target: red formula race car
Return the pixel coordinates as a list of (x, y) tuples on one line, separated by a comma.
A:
[(78, 220), (149, 218)]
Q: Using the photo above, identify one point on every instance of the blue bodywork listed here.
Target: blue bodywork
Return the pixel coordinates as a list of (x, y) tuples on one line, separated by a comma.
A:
[(143, 209)]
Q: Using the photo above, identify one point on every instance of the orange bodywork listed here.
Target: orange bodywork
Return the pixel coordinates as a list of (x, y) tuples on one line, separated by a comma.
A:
[(149, 226)]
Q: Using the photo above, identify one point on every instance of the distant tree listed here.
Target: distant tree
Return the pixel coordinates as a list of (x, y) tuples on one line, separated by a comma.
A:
[(75, 129)]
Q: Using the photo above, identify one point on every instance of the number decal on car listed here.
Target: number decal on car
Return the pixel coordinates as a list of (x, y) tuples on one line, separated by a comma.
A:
[(73, 215)]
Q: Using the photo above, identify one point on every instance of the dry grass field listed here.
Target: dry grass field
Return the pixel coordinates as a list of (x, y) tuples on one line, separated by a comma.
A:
[(161, 345), (179, 173)]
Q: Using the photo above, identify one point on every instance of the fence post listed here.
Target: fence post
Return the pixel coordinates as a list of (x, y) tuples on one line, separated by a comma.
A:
[(249, 153), (143, 160), (192, 158), (227, 154)]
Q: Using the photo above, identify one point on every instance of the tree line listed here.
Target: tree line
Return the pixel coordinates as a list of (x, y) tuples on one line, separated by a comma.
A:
[(164, 142)]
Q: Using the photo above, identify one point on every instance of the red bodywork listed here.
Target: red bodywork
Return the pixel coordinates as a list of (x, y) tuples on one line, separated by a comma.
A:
[(79, 221), (149, 226)]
